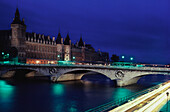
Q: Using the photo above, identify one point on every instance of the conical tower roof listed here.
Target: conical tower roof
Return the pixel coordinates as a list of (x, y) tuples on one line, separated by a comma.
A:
[(81, 43), (17, 17), (67, 40), (58, 40)]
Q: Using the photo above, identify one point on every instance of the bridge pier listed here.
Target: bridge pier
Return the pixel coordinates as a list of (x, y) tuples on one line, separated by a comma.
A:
[(121, 83), (70, 76), (9, 74), (67, 77)]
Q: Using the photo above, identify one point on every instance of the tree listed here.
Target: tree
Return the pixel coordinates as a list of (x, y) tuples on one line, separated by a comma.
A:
[(115, 58)]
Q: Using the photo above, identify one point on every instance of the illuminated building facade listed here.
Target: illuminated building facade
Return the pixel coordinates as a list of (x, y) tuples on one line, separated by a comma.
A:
[(33, 48)]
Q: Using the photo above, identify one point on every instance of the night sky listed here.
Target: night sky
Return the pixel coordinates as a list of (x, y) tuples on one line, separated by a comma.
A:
[(138, 28)]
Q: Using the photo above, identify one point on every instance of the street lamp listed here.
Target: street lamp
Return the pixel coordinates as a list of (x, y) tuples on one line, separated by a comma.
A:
[(123, 57), (131, 58), (7, 55), (167, 101), (74, 57)]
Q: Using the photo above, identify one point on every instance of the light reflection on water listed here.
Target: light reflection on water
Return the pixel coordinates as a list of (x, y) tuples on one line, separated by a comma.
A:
[(6, 90), (6, 95), (73, 96), (58, 89)]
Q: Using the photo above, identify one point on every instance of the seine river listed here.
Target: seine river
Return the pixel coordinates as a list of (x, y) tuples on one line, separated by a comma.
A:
[(73, 96)]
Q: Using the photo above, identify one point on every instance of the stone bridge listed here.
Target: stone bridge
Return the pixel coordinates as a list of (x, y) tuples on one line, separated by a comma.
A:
[(123, 75)]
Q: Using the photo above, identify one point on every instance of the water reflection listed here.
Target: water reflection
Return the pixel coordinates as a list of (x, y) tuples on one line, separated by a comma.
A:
[(73, 107), (6, 91), (72, 96), (121, 92), (6, 96), (58, 89)]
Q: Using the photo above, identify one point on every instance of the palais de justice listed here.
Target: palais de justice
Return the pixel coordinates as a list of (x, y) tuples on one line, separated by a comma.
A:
[(33, 48)]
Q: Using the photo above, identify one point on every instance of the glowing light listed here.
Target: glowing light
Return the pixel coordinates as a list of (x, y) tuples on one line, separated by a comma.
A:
[(6, 62), (74, 57), (2, 53), (37, 62), (52, 62), (131, 58), (123, 57), (58, 56)]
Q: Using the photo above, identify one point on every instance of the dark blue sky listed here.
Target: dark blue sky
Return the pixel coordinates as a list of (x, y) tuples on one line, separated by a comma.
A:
[(138, 28)]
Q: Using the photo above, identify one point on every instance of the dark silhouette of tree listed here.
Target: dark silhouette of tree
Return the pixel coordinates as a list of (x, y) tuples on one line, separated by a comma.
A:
[(13, 52), (115, 58), (7, 54)]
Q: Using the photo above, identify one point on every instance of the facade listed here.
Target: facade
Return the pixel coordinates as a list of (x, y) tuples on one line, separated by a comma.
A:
[(33, 48)]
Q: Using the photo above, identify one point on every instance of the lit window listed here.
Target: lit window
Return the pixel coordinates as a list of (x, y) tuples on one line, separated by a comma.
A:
[(37, 61)]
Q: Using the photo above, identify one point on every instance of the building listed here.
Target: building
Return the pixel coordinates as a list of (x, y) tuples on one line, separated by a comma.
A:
[(33, 48)]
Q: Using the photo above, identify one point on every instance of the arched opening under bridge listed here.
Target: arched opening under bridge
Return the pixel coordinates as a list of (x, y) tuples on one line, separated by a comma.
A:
[(20, 74), (153, 79), (87, 77)]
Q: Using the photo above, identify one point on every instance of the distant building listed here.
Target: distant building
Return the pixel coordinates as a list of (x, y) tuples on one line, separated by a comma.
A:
[(33, 48)]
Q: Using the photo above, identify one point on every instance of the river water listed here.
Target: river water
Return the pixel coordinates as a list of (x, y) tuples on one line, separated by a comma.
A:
[(72, 96)]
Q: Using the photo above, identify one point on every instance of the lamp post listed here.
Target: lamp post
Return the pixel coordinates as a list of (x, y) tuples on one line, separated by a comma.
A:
[(131, 59), (123, 57), (167, 101)]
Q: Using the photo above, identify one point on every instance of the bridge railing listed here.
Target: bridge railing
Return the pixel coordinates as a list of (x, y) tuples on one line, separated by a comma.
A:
[(113, 104), (134, 66)]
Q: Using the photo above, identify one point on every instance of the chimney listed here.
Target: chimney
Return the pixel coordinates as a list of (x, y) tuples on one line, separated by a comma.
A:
[(53, 38), (70, 42), (61, 40), (34, 35)]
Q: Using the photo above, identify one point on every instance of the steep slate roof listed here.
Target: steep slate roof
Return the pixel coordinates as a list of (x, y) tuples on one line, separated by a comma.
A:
[(67, 40), (81, 43), (17, 18), (58, 40)]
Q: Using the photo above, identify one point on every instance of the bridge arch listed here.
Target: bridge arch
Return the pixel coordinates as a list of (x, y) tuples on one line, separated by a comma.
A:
[(76, 74), (132, 78), (15, 72)]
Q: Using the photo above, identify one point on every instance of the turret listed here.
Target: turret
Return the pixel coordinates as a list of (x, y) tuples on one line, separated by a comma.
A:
[(18, 35), (81, 43), (59, 42), (67, 49), (67, 40)]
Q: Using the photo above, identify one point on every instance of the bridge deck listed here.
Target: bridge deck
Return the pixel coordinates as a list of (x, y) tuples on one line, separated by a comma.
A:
[(155, 69)]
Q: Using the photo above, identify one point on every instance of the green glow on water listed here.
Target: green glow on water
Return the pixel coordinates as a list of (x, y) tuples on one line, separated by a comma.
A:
[(121, 92), (6, 62), (73, 107), (58, 89), (6, 90)]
